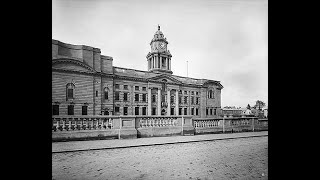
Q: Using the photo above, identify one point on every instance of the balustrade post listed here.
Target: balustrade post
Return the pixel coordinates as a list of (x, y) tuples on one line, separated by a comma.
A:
[(63, 124), (97, 123), (253, 124), (92, 123), (58, 124), (223, 125), (70, 123)]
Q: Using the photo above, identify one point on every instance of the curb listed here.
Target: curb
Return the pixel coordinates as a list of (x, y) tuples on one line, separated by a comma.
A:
[(155, 144)]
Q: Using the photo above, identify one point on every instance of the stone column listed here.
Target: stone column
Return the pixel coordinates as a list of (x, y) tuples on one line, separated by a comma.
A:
[(152, 62), (168, 102), (177, 102), (159, 101), (155, 61), (149, 101)]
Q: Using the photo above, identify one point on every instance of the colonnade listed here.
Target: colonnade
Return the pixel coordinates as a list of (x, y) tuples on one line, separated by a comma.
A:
[(159, 101), (155, 62)]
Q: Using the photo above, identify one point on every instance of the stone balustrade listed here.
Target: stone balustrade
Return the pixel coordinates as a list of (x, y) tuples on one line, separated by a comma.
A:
[(202, 123), (72, 123), (145, 122), (104, 127)]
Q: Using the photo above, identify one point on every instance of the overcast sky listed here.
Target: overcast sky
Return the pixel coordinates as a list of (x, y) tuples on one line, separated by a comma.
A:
[(223, 40)]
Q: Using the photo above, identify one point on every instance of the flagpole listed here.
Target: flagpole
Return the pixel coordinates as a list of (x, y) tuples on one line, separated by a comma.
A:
[(187, 69)]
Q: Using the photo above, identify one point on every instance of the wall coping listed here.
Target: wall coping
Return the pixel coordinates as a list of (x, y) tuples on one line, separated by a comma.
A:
[(121, 116), (76, 47)]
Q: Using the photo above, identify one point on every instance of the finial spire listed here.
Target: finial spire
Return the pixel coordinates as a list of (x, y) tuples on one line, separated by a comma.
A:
[(158, 27)]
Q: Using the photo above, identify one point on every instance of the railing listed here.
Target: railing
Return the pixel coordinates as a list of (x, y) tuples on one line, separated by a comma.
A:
[(73, 123), (202, 123), (145, 122), (241, 121), (141, 123), (263, 123)]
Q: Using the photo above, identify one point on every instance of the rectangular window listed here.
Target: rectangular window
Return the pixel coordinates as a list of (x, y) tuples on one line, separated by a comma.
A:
[(97, 93), (136, 111), (117, 109), (192, 100), (197, 100), (153, 98), (185, 92), (185, 99), (153, 111), (117, 97), (185, 111), (136, 97), (180, 111), (55, 109), (125, 110), (125, 87), (197, 93), (192, 92), (180, 99), (172, 111), (106, 95), (215, 111), (191, 111), (125, 96), (144, 111), (84, 110), (197, 112), (207, 112), (210, 111), (70, 93), (144, 89), (117, 86), (136, 88), (144, 97), (70, 110)]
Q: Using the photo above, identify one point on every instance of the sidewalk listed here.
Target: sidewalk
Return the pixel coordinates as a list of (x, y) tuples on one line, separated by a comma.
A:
[(72, 146)]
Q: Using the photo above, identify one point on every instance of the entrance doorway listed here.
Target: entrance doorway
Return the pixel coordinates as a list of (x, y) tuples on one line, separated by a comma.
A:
[(163, 112)]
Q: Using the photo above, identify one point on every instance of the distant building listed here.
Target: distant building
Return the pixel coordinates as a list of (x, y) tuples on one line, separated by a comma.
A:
[(85, 82), (247, 112), (232, 111)]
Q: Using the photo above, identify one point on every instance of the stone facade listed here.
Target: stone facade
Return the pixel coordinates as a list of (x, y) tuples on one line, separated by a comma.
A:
[(84, 82)]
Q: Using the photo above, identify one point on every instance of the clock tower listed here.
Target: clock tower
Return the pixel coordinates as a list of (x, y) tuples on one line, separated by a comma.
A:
[(159, 59)]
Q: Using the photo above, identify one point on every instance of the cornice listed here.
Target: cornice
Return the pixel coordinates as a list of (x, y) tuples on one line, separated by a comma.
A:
[(83, 72), (64, 60)]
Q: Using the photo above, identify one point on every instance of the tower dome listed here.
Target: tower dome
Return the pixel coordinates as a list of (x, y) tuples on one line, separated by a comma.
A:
[(159, 59), (158, 35)]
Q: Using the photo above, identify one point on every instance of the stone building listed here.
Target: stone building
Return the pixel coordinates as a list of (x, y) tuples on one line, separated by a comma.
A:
[(85, 82)]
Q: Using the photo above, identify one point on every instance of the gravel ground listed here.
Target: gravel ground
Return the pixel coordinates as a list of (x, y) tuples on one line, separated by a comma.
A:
[(243, 158)]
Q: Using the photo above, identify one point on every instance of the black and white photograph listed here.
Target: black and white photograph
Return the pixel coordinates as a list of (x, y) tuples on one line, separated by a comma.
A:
[(159, 89)]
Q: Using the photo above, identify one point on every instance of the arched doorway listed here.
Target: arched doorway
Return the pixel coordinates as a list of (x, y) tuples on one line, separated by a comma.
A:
[(163, 112)]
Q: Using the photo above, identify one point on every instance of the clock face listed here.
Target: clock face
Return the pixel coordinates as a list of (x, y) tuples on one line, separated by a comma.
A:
[(162, 45)]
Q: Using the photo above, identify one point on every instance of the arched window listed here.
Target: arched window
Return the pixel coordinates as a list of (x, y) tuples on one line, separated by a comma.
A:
[(210, 94), (70, 91), (106, 93)]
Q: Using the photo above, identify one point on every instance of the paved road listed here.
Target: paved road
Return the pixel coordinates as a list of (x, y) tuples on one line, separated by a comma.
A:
[(120, 143), (243, 158)]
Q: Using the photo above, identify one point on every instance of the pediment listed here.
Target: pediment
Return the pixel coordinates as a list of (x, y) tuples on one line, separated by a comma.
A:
[(167, 78), (72, 65)]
